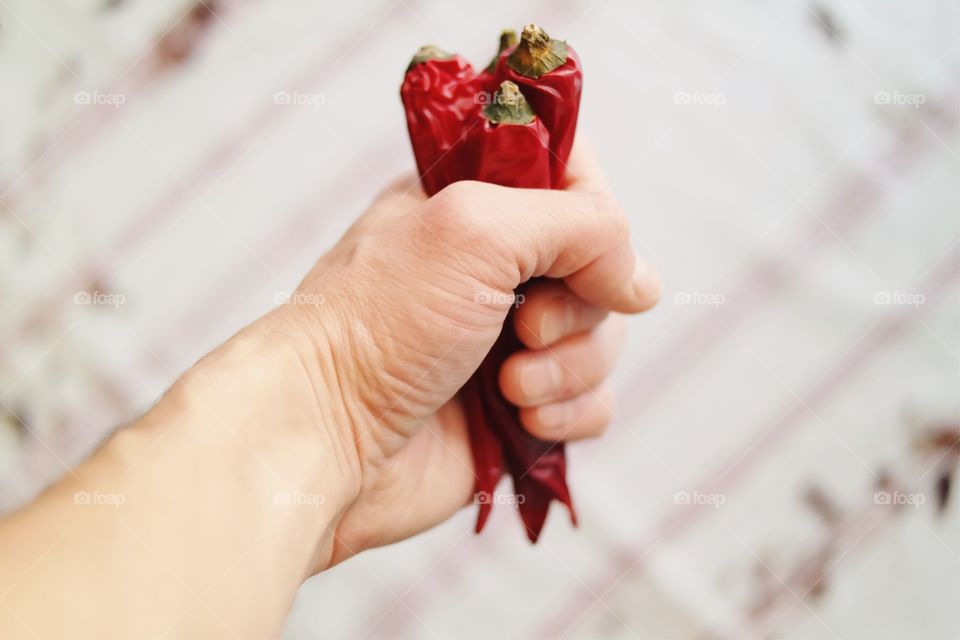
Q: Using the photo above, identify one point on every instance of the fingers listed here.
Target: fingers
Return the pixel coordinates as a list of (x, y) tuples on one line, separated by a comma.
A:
[(570, 367), (584, 416), (550, 312), (579, 236)]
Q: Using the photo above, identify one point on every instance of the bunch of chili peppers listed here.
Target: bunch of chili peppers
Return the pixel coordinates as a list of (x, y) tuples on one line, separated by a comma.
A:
[(511, 124)]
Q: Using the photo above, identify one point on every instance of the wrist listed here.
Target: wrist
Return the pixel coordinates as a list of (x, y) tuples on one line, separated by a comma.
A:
[(268, 418)]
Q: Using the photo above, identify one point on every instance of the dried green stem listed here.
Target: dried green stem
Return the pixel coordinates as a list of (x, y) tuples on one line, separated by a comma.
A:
[(509, 106), (537, 53), (427, 53), (508, 39)]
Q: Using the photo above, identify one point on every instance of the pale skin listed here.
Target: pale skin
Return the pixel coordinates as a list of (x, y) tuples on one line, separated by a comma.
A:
[(331, 425)]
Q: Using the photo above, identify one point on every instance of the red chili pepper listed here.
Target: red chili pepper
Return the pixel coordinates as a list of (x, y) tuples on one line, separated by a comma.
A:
[(548, 72), (511, 146), (538, 468), (509, 142), (440, 93)]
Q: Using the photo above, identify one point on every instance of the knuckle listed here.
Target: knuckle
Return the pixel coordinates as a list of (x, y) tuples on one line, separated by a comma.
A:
[(457, 196), (454, 210), (606, 205)]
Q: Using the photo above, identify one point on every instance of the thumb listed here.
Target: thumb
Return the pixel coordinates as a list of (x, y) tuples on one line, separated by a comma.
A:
[(579, 236)]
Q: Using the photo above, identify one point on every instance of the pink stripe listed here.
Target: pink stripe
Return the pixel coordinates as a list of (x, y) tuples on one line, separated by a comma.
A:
[(849, 209), (162, 210), (853, 205), (93, 122), (299, 232), (297, 238), (859, 528), (884, 335)]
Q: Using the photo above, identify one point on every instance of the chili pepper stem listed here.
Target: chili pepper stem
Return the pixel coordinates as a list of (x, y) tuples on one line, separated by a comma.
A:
[(426, 53), (508, 39), (509, 106), (537, 53)]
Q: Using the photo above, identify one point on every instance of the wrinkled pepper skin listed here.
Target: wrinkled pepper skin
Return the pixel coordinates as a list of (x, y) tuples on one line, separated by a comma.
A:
[(538, 467), (512, 155), (485, 446), (555, 97), (439, 95), (454, 111)]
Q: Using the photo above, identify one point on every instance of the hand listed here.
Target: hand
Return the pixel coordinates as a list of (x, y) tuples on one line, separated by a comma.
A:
[(414, 296), (331, 424)]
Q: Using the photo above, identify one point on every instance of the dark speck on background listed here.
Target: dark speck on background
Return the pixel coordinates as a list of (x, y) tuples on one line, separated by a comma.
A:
[(181, 40), (944, 484), (822, 504), (827, 23)]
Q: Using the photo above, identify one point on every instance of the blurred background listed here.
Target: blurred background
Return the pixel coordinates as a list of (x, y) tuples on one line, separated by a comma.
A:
[(786, 433)]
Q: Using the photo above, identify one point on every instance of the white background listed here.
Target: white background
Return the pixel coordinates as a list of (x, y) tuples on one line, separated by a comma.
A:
[(790, 164)]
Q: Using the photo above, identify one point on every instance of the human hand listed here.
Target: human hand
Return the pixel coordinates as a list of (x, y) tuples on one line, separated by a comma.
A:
[(332, 424), (414, 296)]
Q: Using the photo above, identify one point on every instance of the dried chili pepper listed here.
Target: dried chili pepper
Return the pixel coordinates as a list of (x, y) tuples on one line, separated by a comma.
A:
[(439, 94), (538, 468), (548, 72), (507, 142), (511, 147)]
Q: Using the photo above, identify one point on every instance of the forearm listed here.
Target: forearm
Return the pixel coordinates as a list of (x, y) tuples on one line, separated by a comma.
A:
[(201, 519)]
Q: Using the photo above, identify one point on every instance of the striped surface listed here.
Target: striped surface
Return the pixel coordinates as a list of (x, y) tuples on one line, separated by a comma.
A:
[(764, 173)]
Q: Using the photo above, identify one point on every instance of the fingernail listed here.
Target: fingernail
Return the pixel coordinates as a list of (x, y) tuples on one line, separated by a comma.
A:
[(646, 283), (556, 324), (553, 416), (541, 378)]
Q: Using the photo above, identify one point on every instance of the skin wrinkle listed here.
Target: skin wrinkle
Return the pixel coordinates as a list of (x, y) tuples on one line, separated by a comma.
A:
[(303, 400), (354, 463), (351, 350), (564, 311), (474, 246)]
